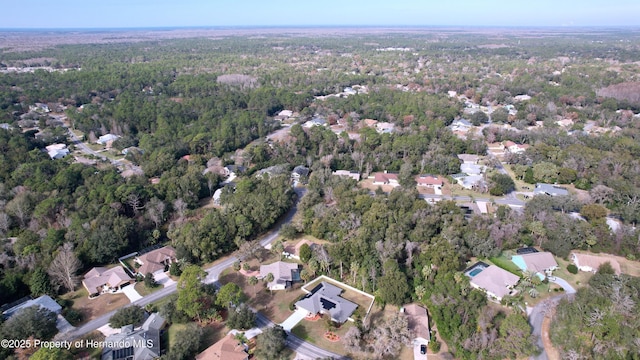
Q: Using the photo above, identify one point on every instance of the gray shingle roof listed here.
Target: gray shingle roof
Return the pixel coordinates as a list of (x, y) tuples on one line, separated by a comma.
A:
[(325, 298)]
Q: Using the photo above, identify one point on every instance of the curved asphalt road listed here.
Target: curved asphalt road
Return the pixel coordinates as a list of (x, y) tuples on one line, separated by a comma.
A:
[(540, 311)]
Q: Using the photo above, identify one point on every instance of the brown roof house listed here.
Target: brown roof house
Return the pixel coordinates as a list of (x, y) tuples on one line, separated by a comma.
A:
[(429, 181), (385, 178), (284, 274), (539, 263), (495, 281), (418, 323), (100, 280), (156, 261), (228, 348), (591, 263)]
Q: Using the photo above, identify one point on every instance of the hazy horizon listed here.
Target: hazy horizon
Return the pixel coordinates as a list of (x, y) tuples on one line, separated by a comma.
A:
[(120, 14)]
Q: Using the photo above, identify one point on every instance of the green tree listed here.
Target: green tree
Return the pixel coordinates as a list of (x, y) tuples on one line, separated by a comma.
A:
[(130, 315), (271, 343), (392, 286), (241, 318), (39, 283), (502, 184), (478, 118), (229, 295), (51, 353), (593, 212), (305, 253), (187, 343), (253, 281), (191, 292), (150, 281), (32, 321)]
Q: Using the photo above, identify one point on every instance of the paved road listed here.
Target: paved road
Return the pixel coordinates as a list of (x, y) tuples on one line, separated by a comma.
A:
[(540, 311)]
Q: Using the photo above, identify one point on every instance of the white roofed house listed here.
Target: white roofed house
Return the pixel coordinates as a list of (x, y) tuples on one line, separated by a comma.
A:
[(107, 139), (346, 173), (57, 151), (550, 189), (495, 281), (284, 274)]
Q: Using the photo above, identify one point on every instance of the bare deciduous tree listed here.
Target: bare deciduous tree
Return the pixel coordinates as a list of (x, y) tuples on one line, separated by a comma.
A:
[(155, 211), (64, 267), (180, 206)]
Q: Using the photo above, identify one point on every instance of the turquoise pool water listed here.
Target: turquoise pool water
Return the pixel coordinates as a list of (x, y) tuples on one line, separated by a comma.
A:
[(475, 272)]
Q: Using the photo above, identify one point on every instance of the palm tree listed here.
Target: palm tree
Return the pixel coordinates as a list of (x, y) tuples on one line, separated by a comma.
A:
[(253, 281), (268, 279)]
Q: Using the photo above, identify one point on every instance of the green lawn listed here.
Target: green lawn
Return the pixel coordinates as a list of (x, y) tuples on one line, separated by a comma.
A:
[(504, 261), (143, 290)]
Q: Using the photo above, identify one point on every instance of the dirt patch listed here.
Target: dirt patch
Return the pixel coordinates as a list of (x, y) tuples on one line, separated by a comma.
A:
[(368, 184), (552, 352)]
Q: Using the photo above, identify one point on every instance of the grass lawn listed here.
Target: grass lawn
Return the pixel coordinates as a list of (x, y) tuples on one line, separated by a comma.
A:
[(143, 290), (273, 304), (578, 280), (313, 332), (92, 308), (504, 261)]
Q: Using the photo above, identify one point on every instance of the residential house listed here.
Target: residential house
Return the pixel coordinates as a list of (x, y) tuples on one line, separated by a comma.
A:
[(385, 178), (385, 128), (418, 323), (228, 348), (233, 169), (514, 148), (57, 151), (299, 173), (468, 158), (346, 173), (495, 281), (429, 181), (6, 126), (549, 189), (40, 107), (567, 123), (107, 139), (461, 125), (540, 263), (44, 301), (316, 121), (325, 299), (591, 263), (100, 280), (370, 122), (521, 98), (273, 170), (131, 344), (156, 261), (284, 274), (283, 115)]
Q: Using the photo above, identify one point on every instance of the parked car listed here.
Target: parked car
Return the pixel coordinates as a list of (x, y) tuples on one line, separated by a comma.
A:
[(423, 349)]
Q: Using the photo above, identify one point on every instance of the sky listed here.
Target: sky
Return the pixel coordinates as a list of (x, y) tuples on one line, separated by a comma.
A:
[(44, 14)]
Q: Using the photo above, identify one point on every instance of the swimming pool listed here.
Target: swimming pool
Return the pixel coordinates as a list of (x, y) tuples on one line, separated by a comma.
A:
[(475, 272)]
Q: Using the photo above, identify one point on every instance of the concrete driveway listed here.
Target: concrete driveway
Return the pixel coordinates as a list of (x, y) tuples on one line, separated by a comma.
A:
[(568, 289), (294, 319), (163, 279), (131, 293)]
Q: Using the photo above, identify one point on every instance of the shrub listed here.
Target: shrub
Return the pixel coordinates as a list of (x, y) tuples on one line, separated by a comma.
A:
[(236, 265), (174, 269), (572, 269), (434, 345)]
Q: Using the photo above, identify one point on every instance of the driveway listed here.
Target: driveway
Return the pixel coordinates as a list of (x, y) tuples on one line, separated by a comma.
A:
[(568, 289), (131, 293), (163, 279), (294, 319)]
